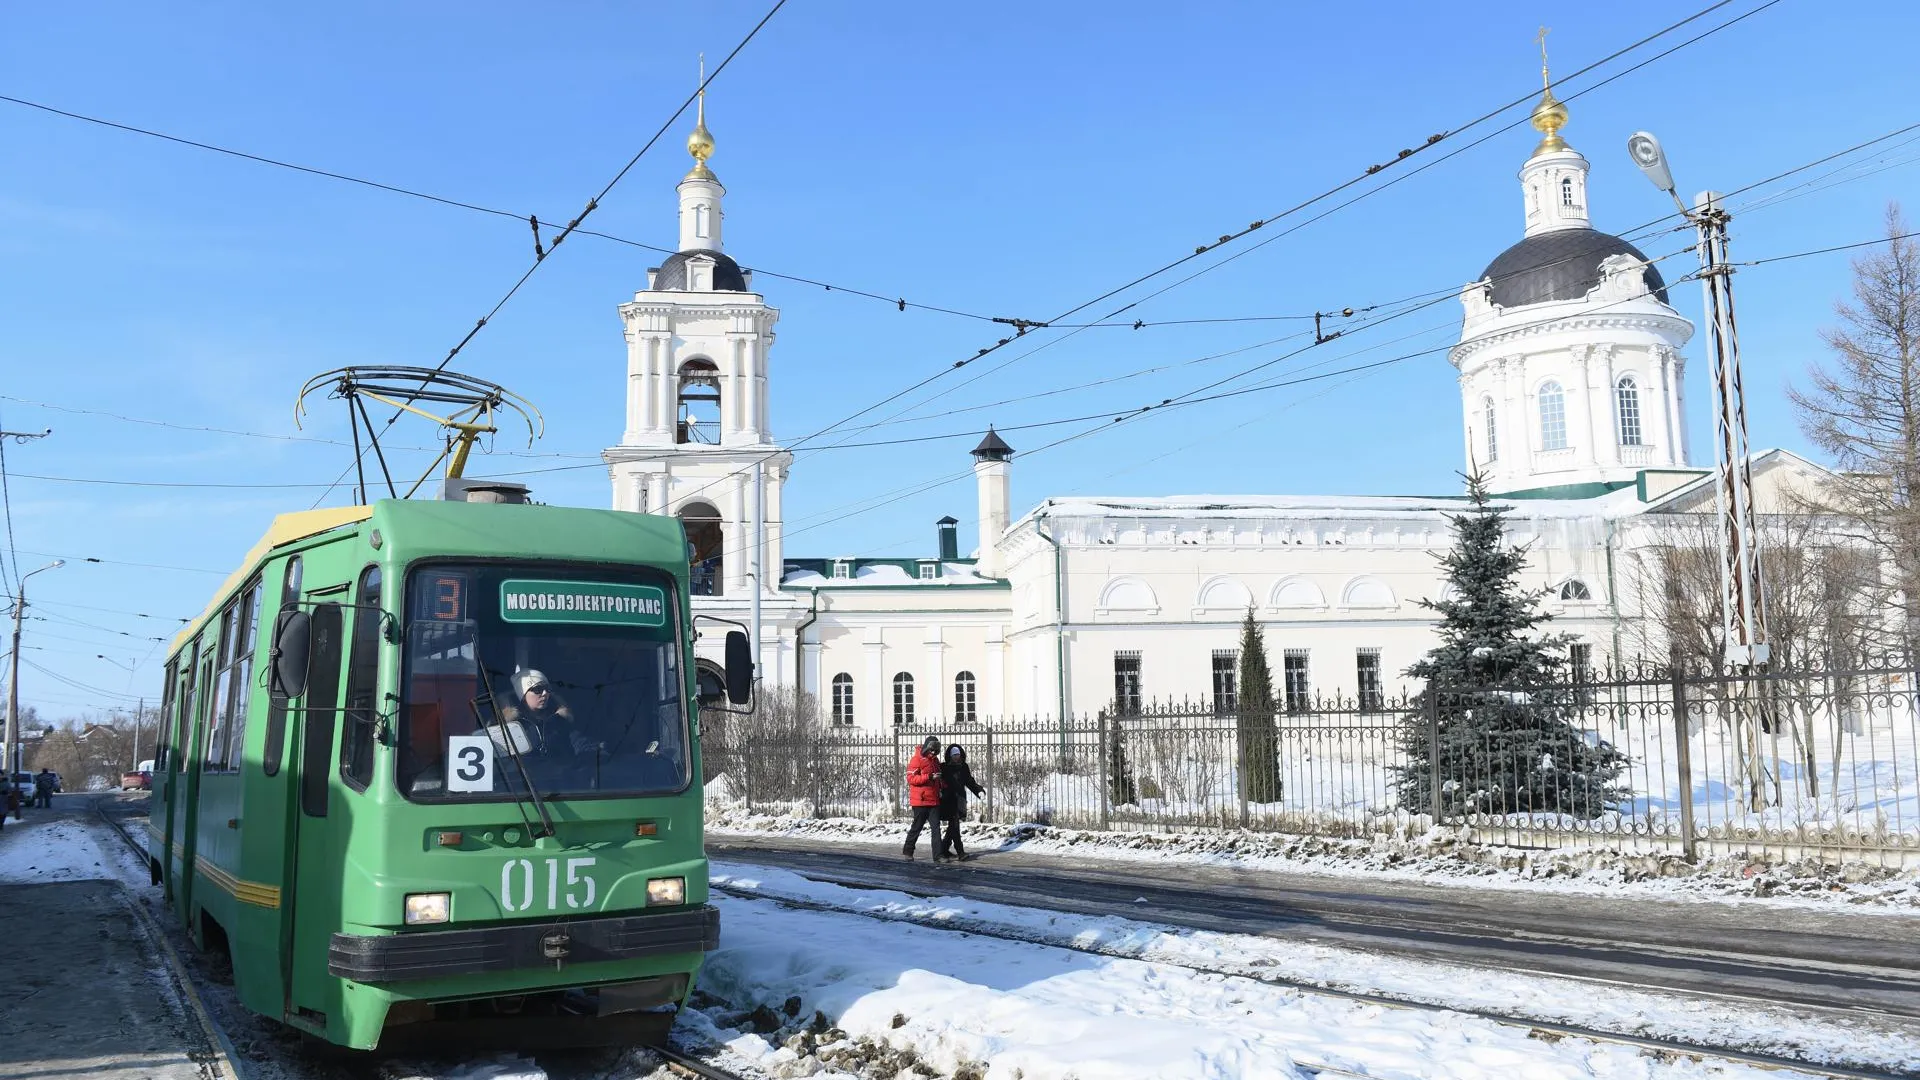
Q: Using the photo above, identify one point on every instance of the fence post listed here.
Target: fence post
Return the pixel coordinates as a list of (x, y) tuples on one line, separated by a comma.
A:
[(746, 762), (1433, 752), (1243, 757), (1105, 757), (990, 776), (895, 767), (1683, 762)]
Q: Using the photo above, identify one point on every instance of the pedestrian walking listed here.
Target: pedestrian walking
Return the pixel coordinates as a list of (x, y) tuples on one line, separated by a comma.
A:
[(43, 784), (923, 795), (956, 779)]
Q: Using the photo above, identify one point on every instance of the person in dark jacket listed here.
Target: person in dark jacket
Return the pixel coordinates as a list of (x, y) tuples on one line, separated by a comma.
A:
[(923, 794), (43, 784), (956, 779)]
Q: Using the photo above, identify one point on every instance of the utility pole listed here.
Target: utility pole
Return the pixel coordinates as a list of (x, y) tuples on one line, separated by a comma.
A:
[(13, 677), (138, 711), (1743, 614), (1743, 610)]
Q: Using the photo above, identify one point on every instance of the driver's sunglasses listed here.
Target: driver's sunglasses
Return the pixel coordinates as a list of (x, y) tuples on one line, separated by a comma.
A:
[(543, 688)]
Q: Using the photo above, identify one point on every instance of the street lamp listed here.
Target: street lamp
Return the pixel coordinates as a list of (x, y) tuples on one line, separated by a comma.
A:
[(13, 679), (1743, 613)]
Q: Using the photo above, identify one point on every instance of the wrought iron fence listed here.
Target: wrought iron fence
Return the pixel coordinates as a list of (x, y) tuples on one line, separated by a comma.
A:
[(1642, 760)]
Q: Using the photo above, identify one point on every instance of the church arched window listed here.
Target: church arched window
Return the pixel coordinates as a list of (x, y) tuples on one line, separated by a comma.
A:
[(966, 698), (1488, 417), (699, 405), (1553, 416), (705, 541), (1626, 399), (843, 699), (903, 698), (1566, 191), (1575, 589), (701, 215)]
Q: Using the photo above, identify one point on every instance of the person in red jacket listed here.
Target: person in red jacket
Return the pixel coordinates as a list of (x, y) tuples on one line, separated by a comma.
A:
[(923, 794)]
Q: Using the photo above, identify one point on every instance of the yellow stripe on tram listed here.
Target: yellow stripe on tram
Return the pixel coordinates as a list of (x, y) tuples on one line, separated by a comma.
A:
[(247, 892)]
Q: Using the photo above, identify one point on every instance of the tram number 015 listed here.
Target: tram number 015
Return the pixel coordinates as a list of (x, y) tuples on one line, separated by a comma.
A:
[(519, 876)]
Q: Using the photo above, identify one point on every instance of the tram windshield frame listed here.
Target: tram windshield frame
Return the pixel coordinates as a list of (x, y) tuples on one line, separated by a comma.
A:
[(481, 639)]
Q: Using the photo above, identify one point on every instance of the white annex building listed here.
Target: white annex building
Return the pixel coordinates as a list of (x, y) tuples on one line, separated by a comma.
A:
[(1571, 375)]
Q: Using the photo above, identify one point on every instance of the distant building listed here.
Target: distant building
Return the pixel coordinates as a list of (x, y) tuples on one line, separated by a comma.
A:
[(1571, 376)]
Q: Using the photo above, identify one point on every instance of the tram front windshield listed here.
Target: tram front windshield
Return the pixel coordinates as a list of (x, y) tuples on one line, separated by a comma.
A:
[(563, 681)]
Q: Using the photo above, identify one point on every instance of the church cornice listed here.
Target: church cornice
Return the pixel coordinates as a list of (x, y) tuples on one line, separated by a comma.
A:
[(778, 460), (1670, 327), (684, 303)]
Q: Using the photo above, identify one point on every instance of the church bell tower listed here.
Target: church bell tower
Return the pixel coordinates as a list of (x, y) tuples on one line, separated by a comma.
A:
[(698, 339)]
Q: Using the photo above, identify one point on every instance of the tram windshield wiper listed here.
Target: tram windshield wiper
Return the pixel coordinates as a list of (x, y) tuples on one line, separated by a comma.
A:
[(486, 707)]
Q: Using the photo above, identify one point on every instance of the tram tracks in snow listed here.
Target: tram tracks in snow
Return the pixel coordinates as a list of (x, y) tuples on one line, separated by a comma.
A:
[(1659, 1048), (676, 1058)]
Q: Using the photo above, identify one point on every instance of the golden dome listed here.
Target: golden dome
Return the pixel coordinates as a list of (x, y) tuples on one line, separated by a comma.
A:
[(700, 142), (1548, 118)]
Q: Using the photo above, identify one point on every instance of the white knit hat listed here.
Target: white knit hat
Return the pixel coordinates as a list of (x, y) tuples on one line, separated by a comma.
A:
[(528, 679)]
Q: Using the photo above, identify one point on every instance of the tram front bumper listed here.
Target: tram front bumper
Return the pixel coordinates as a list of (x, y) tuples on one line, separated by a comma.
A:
[(435, 954)]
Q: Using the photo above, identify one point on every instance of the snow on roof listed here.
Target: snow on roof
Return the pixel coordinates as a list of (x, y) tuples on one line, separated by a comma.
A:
[(888, 574), (1620, 503)]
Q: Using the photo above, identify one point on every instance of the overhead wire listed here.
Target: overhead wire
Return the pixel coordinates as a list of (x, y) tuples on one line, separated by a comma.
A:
[(1182, 399), (518, 218), (1258, 224), (553, 245)]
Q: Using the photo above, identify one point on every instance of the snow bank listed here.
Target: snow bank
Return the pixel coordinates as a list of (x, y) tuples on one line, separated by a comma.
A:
[(811, 988), (1436, 856)]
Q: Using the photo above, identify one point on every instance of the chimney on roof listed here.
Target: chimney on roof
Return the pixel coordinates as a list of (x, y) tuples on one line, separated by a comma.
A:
[(990, 467), (949, 538)]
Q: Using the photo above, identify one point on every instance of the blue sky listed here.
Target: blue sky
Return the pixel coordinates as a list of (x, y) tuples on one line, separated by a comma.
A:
[(995, 158)]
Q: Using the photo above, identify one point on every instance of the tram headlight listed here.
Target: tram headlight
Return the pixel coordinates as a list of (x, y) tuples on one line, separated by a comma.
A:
[(666, 891), (427, 907)]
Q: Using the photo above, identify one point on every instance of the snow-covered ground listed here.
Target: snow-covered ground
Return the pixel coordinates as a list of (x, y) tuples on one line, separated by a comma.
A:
[(1436, 857), (860, 992), (1172, 1003), (844, 997), (44, 848)]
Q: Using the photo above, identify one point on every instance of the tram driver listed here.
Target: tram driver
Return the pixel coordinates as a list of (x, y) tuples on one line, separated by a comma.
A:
[(539, 719)]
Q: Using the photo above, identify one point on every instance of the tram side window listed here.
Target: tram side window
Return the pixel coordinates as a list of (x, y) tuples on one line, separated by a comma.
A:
[(213, 755), (363, 671), (183, 704), (164, 735), (275, 747), (323, 695), (240, 677)]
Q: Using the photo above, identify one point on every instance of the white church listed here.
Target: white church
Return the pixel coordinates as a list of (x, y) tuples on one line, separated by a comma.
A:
[(1571, 373)]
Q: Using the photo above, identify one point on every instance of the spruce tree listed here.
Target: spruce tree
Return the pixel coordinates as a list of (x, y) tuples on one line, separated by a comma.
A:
[(1254, 718), (1507, 741)]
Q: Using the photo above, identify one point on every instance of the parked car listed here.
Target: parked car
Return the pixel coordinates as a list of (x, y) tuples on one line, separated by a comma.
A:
[(137, 780), (23, 783)]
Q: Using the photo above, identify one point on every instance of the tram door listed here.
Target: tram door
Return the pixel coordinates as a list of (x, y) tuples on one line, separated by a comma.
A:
[(316, 840), (183, 808), (171, 783)]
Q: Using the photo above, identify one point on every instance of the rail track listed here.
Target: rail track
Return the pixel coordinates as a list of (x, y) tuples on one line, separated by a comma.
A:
[(689, 1064), (1675, 1049), (676, 1058)]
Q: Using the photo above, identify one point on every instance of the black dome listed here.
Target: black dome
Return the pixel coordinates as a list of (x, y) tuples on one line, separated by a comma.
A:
[(672, 274), (1560, 265)]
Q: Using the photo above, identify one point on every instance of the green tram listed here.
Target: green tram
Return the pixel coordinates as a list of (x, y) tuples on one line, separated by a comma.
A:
[(398, 836)]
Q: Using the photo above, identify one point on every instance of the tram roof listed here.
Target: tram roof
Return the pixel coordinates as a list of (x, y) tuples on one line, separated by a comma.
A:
[(286, 529)]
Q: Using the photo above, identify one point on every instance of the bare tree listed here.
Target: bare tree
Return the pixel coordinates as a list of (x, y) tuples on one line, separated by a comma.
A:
[(1863, 409), (1824, 599)]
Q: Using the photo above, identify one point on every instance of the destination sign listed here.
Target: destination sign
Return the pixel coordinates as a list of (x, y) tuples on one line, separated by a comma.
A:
[(596, 602)]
